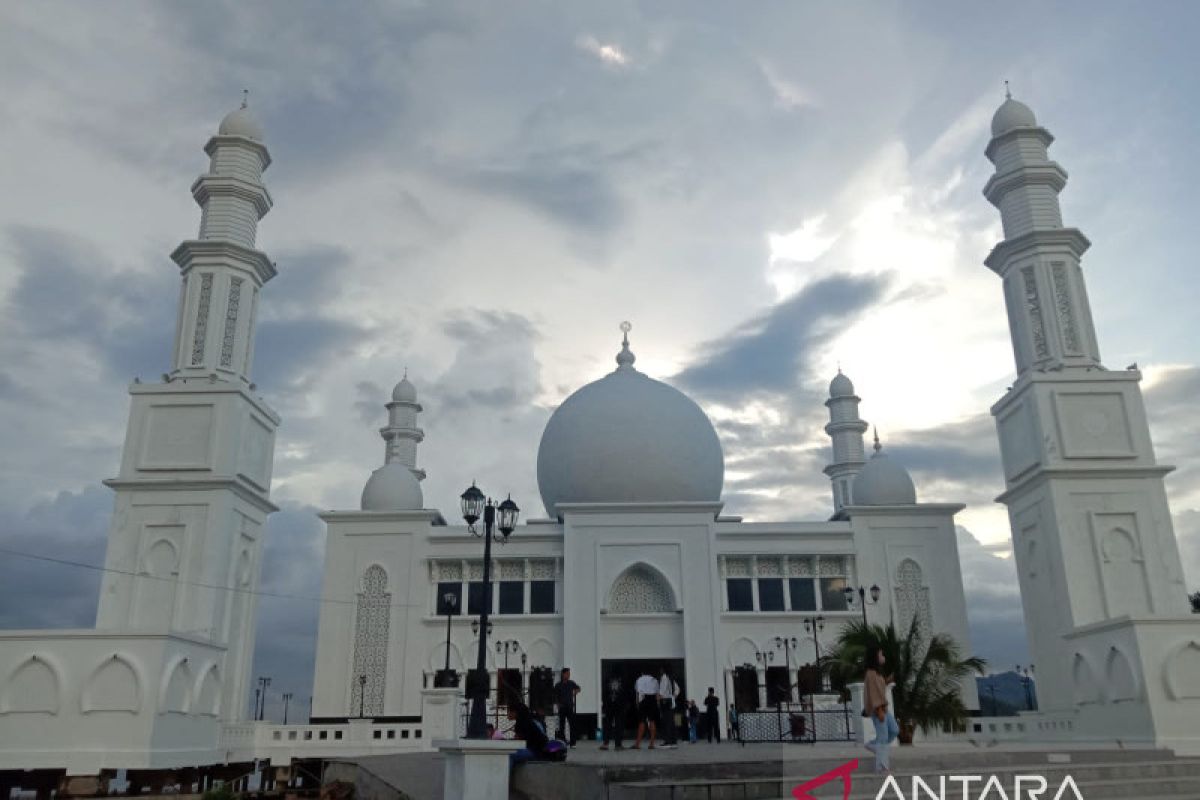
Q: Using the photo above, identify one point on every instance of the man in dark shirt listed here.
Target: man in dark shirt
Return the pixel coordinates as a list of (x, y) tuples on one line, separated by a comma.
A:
[(527, 728), (614, 712), (712, 705), (564, 695)]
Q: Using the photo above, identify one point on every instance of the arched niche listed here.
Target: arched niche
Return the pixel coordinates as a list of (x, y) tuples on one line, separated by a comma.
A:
[(1119, 677), (641, 589), (1181, 671), (176, 694), (1087, 690), (34, 687), (742, 651), (114, 686), (542, 653), (208, 692)]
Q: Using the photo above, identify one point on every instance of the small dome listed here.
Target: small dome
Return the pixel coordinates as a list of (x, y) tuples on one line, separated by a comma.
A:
[(628, 438), (841, 386), (883, 482), (1012, 114), (404, 392), (240, 122), (392, 487)]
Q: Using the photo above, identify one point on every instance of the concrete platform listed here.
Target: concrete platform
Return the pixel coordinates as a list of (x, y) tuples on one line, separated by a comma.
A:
[(733, 772)]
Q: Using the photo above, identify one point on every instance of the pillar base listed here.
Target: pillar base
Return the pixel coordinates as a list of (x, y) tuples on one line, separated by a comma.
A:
[(476, 768)]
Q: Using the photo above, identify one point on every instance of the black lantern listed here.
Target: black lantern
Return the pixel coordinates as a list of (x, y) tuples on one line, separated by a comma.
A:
[(508, 516), (472, 505)]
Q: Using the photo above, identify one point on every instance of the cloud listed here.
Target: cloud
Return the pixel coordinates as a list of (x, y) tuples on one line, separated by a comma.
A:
[(994, 612), (610, 54), (772, 353)]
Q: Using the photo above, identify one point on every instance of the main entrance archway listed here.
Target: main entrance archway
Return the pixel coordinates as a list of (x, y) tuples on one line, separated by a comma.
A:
[(628, 670)]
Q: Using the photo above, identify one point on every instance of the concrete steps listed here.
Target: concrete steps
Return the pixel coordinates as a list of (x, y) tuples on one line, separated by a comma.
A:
[(1121, 779)]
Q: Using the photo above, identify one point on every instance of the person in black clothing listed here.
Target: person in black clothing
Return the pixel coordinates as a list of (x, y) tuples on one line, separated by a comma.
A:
[(564, 694), (527, 728), (712, 705), (613, 704)]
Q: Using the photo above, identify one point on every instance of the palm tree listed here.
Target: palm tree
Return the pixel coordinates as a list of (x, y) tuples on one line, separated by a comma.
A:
[(928, 675)]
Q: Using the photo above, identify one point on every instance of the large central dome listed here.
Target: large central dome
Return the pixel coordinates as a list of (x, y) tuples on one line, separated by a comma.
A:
[(628, 438)]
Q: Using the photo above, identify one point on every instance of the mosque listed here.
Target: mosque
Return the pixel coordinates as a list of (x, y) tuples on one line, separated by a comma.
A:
[(633, 563)]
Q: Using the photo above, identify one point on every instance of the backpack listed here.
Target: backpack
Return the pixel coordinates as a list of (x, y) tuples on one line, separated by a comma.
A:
[(555, 751)]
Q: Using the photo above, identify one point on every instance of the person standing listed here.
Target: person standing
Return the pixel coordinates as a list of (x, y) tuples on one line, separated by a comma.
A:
[(875, 703), (712, 715), (646, 689), (565, 692), (667, 689), (732, 716), (613, 703), (693, 720)]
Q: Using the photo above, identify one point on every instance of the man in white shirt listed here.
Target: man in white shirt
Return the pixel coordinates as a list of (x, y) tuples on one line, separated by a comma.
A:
[(647, 704), (667, 689)]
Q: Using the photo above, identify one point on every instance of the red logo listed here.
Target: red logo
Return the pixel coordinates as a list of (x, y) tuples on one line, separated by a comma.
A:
[(801, 792)]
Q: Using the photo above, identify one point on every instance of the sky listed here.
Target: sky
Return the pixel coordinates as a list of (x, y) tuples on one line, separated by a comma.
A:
[(481, 195)]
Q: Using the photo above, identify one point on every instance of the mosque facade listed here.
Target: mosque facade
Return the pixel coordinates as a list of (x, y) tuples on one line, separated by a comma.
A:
[(633, 564)]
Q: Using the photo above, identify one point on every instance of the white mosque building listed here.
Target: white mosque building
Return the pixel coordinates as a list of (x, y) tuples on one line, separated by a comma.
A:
[(634, 562)]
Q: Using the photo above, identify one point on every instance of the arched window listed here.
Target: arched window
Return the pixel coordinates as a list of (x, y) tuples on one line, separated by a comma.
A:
[(370, 644), (641, 589)]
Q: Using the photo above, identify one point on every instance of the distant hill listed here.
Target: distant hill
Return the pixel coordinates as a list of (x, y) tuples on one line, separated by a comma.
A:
[(1004, 694)]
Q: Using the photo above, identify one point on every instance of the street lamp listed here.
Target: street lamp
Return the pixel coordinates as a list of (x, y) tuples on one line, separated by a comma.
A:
[(287, 696), (814, 625), (263, 683), (501, 517), (787, 645), (507, 646), (362, 694), (444, 679), (850, 591), (1026, 676)]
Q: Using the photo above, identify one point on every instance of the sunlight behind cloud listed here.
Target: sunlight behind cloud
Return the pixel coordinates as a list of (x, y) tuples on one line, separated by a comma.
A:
[(608, 53)]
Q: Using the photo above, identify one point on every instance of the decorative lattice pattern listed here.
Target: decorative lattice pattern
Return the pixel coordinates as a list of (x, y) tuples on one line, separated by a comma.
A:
[(641, 590), (370, 644), (231, 315), (831, 566), (1034, 304), (737, 567), (801, 567), (449, 570), (511, 570), (912, 599), (541, 570), (475, 571), (1062, 301), (769, 567), (206, 284)]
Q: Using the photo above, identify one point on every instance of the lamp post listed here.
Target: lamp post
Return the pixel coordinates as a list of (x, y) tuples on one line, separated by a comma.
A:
[(451, 600), (506, 646), (263, 683), (524, 679), (814, 625), (362, 694), (501, 517), (1027, 680), (850, 591), (788, 645), (287, 696)]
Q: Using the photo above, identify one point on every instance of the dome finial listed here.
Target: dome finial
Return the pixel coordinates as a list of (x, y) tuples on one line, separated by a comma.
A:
[(625, 358), (878, 446), (245, 98), (1007, 91)]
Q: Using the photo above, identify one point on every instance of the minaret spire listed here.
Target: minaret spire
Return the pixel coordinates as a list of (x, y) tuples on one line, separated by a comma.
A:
[(846, 429), (1039, 259), (222, 271), (401, 435)]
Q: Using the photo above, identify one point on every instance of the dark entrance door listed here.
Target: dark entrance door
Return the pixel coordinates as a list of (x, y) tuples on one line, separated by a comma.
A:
[(628, 670)]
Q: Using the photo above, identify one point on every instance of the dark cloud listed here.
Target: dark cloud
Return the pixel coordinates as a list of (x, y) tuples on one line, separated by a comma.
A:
[(494, 366), (994, 611), (770, 353), (69, 296)]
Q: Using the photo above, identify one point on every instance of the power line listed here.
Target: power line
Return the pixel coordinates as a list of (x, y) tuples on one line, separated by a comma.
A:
[(199, 584)]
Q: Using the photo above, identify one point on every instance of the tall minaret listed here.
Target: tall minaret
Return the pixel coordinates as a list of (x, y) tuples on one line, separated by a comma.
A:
[(222, 272), (193, 493), (401, 435), (846, 429), (1099, 567)]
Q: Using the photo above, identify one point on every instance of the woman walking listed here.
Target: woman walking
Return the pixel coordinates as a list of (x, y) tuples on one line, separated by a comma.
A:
[(875, 705)]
